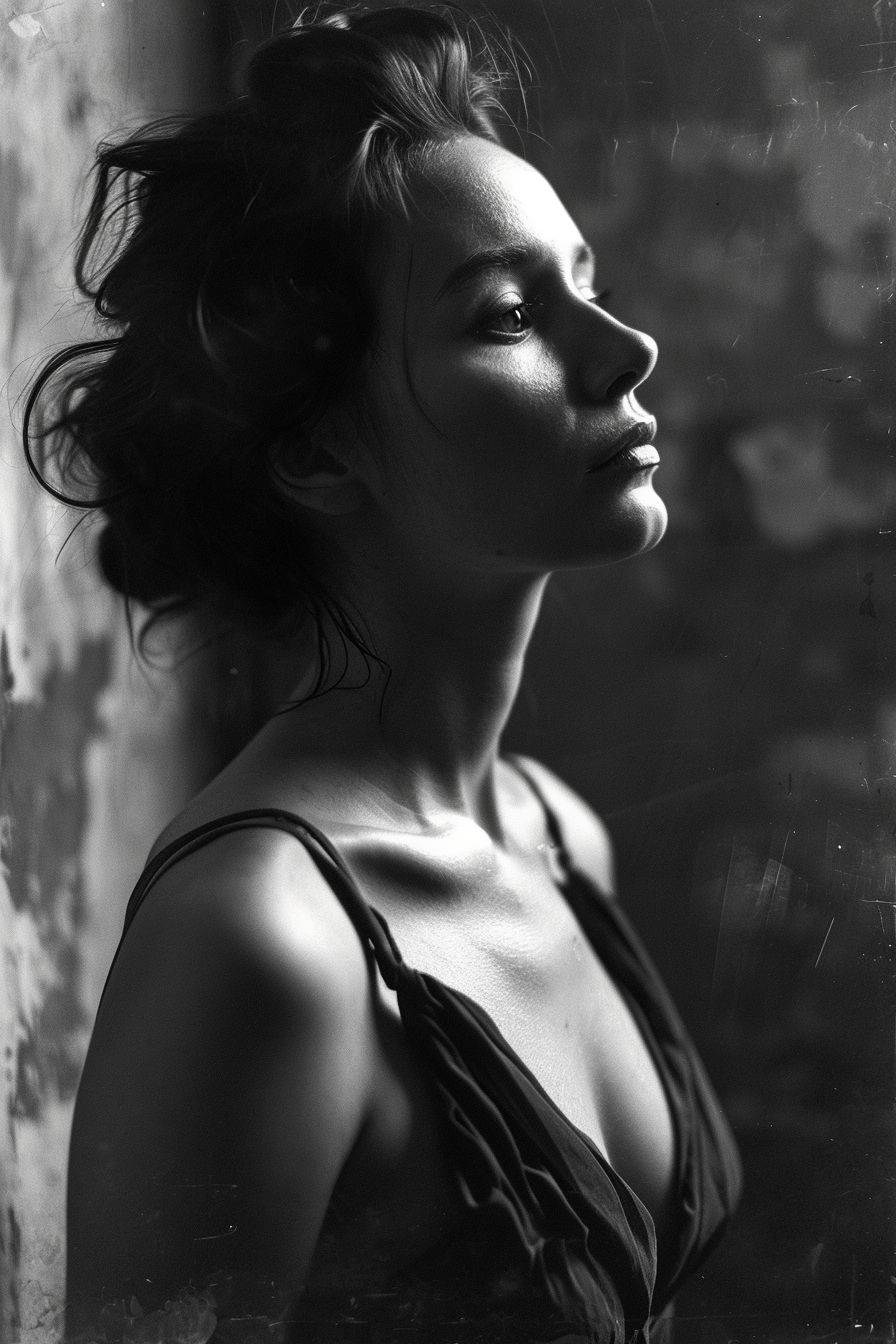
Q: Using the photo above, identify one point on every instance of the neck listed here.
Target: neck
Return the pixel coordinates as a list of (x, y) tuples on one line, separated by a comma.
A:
[(429, 723)]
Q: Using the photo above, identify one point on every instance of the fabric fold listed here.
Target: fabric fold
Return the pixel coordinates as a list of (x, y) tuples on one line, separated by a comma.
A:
[(531, 1181)]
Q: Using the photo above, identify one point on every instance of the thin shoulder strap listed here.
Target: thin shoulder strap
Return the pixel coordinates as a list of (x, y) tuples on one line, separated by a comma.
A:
[(552, 823), (371, 927)]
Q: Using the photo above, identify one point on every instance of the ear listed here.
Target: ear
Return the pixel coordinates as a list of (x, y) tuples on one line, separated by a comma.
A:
[(317, 477)]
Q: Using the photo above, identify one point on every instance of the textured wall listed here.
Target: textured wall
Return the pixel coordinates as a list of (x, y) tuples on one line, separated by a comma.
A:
[(92, 754)]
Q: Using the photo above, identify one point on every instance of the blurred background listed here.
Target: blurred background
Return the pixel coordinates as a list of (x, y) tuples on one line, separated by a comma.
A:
[(727, 701)]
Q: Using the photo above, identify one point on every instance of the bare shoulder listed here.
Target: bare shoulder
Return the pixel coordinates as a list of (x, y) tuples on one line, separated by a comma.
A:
[(587, 838), (252, 901), (234, 1052)]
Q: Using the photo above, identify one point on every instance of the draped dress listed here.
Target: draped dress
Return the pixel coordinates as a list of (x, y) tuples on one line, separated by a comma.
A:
[(549, 1244)]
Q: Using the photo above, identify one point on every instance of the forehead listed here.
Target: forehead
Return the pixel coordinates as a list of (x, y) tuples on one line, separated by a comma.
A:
[(472, 196)]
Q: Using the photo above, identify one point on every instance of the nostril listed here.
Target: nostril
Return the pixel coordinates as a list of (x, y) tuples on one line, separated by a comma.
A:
[(621, 386)]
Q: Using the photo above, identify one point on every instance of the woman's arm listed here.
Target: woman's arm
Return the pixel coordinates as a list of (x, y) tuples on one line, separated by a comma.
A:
[(228, 1077)]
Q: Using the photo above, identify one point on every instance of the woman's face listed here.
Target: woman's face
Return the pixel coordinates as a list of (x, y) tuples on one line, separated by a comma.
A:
[(502, 391)]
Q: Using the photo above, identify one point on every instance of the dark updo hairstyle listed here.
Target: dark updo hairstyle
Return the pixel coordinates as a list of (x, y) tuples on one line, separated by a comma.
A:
[(224, 254)]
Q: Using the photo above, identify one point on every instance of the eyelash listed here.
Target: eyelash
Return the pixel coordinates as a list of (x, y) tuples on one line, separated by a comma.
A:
[(530, 307)]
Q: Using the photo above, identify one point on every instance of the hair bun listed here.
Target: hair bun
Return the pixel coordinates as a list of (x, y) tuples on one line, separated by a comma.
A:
[(227, 255)]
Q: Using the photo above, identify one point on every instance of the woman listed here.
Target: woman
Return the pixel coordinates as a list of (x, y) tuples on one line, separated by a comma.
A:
[(377, 1051)]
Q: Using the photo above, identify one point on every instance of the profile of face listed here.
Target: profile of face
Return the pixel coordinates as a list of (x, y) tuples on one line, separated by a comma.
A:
[(503, 394)]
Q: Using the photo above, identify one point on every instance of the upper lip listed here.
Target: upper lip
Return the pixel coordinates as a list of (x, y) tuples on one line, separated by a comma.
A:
[(640, 433)]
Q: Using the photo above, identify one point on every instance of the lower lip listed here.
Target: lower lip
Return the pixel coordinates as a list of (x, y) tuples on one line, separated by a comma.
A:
[(631, 459)]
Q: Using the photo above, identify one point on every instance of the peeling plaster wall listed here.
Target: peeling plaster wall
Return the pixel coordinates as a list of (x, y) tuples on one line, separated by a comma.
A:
[(94, 754)]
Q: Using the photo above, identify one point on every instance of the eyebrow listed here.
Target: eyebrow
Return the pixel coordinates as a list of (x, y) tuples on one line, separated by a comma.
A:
[(502, 259)]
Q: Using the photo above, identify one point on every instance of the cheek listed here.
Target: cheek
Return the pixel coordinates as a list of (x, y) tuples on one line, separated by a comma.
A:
[(498, 409), (479, 449)]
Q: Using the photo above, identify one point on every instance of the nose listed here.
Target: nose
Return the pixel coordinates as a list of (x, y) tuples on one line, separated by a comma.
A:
[(615, 358)]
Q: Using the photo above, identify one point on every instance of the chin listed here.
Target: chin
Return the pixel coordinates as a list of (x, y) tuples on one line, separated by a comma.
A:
[(642, 527), (624, 530), (656, 524)]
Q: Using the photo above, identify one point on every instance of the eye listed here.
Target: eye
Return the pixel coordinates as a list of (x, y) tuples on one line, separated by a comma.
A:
[(511, 320)]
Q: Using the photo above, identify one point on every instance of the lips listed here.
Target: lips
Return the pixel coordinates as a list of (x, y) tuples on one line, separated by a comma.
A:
[(641, 435)]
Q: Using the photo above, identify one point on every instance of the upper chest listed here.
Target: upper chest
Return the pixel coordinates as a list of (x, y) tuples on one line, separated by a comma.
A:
[(520, 953)]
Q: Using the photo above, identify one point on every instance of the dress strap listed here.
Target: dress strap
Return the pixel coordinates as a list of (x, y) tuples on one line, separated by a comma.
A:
[(552, 823), (369, 923)]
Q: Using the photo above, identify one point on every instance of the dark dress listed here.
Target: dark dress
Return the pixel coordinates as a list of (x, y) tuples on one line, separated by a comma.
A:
[(550, 1244)]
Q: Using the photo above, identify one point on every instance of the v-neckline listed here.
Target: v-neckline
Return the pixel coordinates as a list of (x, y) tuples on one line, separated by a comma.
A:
[(584, 907), (651, 1044)]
